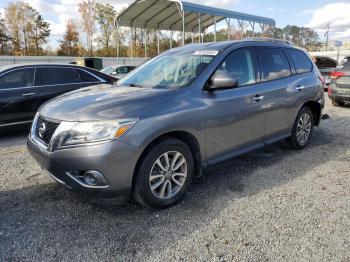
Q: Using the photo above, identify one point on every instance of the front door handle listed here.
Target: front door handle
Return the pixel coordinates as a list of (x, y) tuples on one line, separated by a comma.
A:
[(28, 94), (258, 98), (299, 88)]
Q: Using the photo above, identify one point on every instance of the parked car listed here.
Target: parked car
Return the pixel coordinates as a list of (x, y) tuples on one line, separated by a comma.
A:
[(179, 112), (23, 88), (339, 88), (325, 65), (118, 71)]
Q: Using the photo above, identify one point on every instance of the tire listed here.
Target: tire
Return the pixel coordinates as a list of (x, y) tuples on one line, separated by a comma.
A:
[(297, 140), (154, 191), (335, 103)]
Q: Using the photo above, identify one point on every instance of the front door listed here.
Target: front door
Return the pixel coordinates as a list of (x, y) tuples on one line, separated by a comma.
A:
[(18, 101), (235, 118)]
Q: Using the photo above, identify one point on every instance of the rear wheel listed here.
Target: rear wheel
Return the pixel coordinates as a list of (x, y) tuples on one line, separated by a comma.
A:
[(302, 129), (164, 175)]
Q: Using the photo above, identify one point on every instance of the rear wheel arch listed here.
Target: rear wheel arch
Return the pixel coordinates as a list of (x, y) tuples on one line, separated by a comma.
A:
[(315, 108)]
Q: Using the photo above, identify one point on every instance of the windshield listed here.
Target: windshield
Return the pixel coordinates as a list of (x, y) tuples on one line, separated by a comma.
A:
[(108, 70), (170, 71)]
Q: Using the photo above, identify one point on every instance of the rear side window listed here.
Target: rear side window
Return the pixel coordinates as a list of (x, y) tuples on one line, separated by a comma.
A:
[(59, 76), (274, 63), (240, 65), (17, 78), (86, 77), (301, 62)]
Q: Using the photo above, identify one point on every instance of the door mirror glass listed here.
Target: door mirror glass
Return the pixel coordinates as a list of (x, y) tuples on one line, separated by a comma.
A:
[(223, 81)]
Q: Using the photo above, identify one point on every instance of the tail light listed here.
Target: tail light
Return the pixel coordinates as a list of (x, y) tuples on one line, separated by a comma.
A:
[(336, 74)]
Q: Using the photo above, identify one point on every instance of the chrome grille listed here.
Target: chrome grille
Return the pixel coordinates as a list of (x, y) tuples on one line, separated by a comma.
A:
[(44, 129)]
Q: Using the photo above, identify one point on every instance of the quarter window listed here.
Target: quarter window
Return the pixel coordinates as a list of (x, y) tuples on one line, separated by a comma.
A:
[(301, 62), (87, 78), (17, 78), (240, 65), (274, 63)]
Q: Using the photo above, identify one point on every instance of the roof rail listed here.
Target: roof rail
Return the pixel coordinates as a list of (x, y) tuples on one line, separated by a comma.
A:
[(267, 39)]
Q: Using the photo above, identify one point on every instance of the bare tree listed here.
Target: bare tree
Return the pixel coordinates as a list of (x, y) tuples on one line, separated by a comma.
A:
[(88, 15)]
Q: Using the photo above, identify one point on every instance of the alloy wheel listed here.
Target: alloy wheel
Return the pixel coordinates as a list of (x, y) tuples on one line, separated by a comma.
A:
[(304, 128), (168, 174)]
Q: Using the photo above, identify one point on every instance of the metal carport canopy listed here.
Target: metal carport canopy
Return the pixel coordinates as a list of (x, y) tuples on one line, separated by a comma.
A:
[(177, 15)]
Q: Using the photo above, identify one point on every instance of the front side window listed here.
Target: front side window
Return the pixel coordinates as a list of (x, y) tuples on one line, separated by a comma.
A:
[(301, 62), (60, 76), (17, 78), (170, 70), (240, 65), (274, 63)]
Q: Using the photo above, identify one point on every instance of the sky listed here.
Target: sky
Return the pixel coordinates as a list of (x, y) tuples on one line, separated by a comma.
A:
[(311, 13)]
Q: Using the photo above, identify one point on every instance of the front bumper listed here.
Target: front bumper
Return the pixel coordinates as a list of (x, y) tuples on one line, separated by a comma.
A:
[(115, 160)]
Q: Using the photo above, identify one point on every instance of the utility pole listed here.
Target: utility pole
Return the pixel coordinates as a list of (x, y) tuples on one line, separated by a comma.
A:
[(327, 35)]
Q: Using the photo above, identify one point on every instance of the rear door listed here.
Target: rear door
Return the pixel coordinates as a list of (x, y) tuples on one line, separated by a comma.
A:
[(235, 118), (286, 90), (53, 81), (18, 101)]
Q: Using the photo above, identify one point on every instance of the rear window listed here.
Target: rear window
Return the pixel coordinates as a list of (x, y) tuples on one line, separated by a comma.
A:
[(274, 63), (300, 60), (60, 75)]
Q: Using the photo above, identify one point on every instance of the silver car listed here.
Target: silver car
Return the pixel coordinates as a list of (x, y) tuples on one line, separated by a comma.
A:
[(187, 108)]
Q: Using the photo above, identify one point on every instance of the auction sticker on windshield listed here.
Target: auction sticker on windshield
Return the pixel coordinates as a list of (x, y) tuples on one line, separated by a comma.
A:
[(206, 52)]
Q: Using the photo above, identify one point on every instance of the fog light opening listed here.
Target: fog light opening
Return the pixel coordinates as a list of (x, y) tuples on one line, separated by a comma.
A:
[(93, 178)]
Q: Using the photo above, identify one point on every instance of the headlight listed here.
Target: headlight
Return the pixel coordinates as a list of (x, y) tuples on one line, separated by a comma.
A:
[(74, 133)]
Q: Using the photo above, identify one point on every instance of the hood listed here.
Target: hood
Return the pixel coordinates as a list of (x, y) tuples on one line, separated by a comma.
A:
[(102, 102)]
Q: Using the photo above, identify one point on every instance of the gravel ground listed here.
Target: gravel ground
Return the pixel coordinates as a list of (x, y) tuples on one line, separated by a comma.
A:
[(273, 204)]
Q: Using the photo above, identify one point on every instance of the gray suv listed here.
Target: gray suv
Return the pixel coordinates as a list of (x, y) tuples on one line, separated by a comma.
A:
[(190, 107)]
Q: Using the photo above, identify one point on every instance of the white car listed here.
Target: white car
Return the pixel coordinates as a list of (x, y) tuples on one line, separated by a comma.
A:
[(118, 71)]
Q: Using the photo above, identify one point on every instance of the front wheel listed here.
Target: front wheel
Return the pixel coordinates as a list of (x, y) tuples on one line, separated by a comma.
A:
[(164, 175), (302, 129)]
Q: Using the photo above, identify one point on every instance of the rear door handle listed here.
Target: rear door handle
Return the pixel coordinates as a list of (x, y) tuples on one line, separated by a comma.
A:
[(258, 98), (28, 94), (299, 88)]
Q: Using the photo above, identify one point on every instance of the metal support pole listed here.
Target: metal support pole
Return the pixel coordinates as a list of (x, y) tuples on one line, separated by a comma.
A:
[(183, 27), (199, 29), (192, 37), (228, 28), (158, 51), (241, 24), (203, 34), (171, 39), (146, 36), (132, 42), (214, 29)]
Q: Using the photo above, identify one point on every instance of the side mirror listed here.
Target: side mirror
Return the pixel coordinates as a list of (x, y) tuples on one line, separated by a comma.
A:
[(223, 81), (114, 73)]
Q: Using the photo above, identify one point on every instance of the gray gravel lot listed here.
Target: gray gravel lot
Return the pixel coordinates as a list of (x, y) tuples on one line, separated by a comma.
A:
[(273, 204)]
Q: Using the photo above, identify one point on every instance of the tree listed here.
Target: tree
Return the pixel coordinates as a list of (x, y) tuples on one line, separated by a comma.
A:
[(88, 15), (27, 28), (105, 15), (40, 33), (69, 45), (4, 38)]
